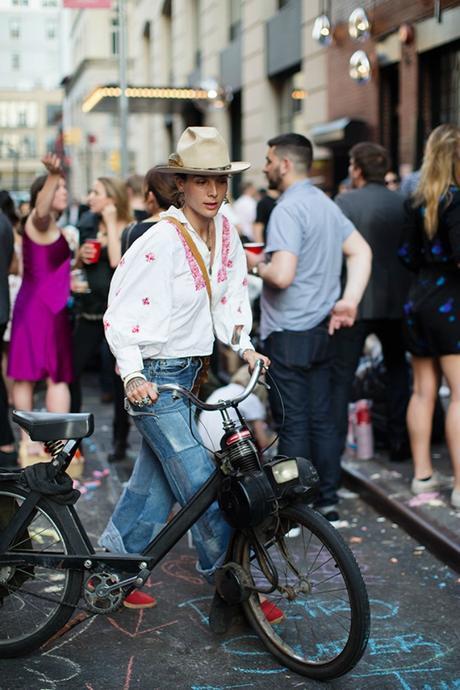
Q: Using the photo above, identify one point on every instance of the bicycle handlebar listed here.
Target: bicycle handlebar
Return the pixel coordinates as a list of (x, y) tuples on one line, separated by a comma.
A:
[(179, 391)]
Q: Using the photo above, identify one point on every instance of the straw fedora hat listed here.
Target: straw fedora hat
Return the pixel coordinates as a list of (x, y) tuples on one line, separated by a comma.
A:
[(201, 151)]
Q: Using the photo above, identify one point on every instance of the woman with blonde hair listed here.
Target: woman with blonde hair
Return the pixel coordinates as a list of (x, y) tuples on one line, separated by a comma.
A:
[(99, 255), (431, 248)]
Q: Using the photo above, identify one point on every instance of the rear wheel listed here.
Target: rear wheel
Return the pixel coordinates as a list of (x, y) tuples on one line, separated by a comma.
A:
[(35, 601), (320, 592)]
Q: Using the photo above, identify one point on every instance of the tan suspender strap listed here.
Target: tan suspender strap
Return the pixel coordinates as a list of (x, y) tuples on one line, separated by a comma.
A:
[(196, 254)]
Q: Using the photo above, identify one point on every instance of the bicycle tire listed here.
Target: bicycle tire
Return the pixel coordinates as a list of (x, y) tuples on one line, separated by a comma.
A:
[(297, 641), (27, 594)]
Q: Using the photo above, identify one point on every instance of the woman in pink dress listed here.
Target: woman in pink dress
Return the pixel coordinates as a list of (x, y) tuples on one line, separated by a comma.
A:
[(40, 346)]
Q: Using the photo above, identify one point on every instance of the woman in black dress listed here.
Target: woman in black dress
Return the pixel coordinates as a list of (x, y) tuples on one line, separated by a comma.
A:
[(431, 247)]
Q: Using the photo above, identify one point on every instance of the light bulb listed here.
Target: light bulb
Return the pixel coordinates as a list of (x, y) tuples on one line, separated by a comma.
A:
[(359, 26), (322, 30), (360, 67)]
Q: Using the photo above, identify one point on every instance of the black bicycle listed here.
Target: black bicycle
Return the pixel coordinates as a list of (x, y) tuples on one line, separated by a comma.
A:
[(49, 568)]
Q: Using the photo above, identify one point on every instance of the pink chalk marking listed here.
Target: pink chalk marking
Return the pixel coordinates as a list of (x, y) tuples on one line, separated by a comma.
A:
[(422, 499)]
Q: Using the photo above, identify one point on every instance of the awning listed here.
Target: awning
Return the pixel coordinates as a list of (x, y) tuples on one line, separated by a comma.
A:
[(149, 99), (342, 132)]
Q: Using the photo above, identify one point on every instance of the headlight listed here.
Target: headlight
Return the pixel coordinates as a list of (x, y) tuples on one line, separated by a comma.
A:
[(285, 471)]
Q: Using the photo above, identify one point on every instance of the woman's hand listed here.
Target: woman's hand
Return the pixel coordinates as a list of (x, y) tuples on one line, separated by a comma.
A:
[(52, 163), (141, 392), (109, 214), (251, 357), (86, 253)]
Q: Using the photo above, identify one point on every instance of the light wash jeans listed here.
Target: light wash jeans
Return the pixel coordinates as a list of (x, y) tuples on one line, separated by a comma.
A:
[(171, 467)]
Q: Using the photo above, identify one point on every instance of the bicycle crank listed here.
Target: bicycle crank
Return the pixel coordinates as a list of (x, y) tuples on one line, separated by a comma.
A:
[(102, 592)]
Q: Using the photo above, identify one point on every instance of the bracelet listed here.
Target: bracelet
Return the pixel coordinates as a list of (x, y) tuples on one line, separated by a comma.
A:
[(134, 375), (243, 350), (255, 271)]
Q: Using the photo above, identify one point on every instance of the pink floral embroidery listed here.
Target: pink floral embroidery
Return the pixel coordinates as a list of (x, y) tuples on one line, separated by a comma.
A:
[(135, 329), (229, 263), (122, 261), (106, 325), (146, 301), (194, 268), (245, 282), (223, 300), (222, 272), (149, 257)]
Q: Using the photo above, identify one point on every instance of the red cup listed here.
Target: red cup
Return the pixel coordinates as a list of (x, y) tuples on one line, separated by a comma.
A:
[(96, 246), (254, 247)]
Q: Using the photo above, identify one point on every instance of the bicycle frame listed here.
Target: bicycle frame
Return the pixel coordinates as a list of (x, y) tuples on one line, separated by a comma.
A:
[(86, 557)]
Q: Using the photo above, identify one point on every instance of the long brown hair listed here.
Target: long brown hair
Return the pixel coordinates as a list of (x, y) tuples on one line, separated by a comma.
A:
[(442, 152), (116, 190)]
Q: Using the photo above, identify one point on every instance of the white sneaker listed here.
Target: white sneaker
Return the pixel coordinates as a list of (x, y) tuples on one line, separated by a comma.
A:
[(419, 486), (455, 498)]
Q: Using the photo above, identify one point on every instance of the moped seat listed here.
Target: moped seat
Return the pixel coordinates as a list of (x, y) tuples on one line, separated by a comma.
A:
[(49, 426)]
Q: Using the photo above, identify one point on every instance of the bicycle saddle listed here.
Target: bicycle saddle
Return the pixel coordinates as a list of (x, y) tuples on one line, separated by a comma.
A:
[(48, 426)]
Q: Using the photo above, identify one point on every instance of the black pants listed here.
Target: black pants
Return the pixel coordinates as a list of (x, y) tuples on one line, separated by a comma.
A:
[(348, 347), (6, 433), (87, 339), (301, 366)]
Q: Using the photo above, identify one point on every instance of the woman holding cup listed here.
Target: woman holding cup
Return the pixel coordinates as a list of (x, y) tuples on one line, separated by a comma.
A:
[(98, 256)]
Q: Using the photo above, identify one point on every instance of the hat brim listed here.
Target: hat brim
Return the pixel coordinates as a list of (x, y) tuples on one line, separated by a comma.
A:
[(235, 167)]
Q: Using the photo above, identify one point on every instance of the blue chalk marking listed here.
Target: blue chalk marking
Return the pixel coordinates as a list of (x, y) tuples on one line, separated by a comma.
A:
[(221, 687), (193, 604), (243, 652)]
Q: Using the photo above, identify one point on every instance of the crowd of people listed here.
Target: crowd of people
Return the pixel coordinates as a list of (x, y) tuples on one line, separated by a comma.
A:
[(159, 272)]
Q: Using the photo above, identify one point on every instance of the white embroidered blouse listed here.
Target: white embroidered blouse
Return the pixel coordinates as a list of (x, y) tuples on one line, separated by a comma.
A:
[(158, 304)]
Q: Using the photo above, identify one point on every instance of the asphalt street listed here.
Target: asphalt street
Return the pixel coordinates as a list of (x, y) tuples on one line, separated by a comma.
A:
[(414, 643)]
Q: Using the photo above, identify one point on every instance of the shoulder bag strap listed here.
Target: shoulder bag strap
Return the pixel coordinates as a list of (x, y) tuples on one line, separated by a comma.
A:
[(193, 248)]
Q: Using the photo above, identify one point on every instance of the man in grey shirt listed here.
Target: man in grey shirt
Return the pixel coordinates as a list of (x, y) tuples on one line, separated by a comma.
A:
[(7, 451), (300, 306)]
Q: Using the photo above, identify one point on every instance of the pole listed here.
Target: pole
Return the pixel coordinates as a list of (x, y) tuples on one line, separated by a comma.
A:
[(122, 55)]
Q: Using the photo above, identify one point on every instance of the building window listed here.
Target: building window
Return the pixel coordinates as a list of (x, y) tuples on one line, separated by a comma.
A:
[(15, 61), (114, 35), (53, 114), (15, 29), (23, 3), (49, 3), (235, 19), (51, 30)]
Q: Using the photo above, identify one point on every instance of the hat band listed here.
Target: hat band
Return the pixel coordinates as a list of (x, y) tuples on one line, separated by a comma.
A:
[(176, 162)]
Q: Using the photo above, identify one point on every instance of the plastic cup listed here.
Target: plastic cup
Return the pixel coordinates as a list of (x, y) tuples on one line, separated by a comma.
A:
[(254, 247), (79, 282), (96, 246)]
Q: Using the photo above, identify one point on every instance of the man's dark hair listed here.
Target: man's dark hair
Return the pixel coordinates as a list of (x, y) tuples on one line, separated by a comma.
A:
[(372, 159), (296, 147)]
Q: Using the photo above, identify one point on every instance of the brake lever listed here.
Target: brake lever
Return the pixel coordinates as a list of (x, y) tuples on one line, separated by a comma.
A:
[(265, 385)]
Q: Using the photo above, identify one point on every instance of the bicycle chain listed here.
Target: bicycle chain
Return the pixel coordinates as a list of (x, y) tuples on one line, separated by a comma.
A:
[(62, 602)]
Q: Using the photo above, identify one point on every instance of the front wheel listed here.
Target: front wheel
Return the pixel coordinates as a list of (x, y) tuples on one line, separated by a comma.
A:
[(320, 592), (35, 601)]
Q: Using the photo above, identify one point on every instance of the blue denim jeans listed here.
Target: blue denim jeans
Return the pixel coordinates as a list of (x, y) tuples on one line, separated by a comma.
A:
[(171, 466)]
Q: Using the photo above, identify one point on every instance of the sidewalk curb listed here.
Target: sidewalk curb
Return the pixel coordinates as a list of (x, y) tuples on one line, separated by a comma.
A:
[(438, 543)]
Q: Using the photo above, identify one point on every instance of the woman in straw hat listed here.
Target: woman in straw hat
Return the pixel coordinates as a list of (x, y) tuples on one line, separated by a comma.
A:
[(177, 287)]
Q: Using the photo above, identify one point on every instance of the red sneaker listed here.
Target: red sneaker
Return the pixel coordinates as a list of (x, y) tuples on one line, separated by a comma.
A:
[(139, 600), (271, 612)]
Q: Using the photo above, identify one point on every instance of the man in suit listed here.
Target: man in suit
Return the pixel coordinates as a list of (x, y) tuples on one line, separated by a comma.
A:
[(378, 214)]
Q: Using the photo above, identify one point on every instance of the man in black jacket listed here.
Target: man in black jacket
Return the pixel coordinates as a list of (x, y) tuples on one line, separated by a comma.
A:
[(378, 214)]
